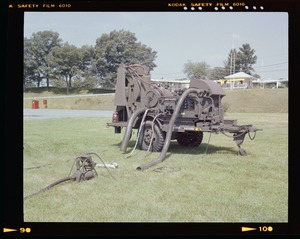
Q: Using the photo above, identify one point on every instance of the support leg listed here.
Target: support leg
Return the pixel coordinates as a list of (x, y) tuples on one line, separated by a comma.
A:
[(239, 139)]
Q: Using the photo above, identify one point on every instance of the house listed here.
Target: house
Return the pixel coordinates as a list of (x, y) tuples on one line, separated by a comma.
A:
[(237, 80), (279, 83)]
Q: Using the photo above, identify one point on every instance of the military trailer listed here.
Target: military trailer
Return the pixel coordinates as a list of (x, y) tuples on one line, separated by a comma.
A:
[(161, 114)]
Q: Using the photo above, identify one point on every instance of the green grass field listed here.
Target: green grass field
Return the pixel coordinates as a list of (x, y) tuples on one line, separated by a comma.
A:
[(189, 186), (239, 100)]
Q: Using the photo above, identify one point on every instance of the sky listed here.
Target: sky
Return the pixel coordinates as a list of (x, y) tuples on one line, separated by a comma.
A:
[(179, 37)]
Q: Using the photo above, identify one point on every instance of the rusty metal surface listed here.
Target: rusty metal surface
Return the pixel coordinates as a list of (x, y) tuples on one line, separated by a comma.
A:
[(212, 87)]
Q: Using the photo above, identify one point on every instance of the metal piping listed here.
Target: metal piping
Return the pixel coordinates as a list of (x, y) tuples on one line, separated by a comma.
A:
[(127, 134), (170, 130)]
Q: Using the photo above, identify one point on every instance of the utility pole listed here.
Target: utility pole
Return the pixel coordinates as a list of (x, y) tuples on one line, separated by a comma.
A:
[(232, 58), (232, 62)]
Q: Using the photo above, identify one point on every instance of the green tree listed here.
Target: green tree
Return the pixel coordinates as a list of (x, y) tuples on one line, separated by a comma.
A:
[(66, 61), (36, 51), (198, 70), (241, 60), (87, 56), (30, 74), (217, 73), (119, 47), (230, 65), (246, 58), (87, 79)]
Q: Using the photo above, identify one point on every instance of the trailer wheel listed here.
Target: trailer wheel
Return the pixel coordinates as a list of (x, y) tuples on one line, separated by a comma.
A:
[(150, 132), (190, 138)]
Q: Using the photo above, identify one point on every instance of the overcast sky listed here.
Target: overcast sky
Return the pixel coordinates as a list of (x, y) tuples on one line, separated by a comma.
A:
[(179, 36)]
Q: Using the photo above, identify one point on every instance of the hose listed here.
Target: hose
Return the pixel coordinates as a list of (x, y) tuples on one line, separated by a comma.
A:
[(170, 130), (138, 134), (74, 177), (152, 128), (38, 166), (51, 185), (91, 153), (129, 128), (151, 140), (252, 138)]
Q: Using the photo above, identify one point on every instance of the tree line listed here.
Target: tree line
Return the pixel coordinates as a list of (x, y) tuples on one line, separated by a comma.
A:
[(47, 57), (236, 61)]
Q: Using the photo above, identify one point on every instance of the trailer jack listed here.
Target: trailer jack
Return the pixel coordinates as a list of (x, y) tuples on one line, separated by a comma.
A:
[(239, 139)]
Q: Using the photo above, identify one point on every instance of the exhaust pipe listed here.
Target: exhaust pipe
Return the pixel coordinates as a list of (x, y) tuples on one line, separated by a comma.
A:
[(170, 130), (127, 134)]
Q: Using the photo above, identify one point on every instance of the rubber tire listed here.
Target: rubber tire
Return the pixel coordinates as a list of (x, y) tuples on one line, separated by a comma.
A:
[(146, 134), (190, 138)]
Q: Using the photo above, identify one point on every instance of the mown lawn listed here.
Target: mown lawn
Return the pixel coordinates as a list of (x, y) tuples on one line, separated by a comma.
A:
[(239, 100), (189, 186)]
